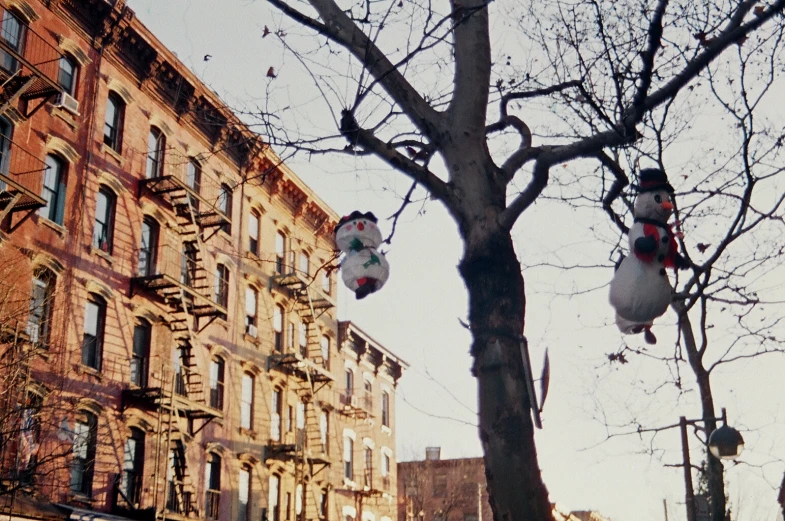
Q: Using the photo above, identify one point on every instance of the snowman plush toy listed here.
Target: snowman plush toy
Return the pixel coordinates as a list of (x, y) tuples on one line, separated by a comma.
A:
[(640, 290), (364, 268)]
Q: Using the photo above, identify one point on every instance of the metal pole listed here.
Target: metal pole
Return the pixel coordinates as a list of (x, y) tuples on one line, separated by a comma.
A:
[(479, 501), (685, 449)]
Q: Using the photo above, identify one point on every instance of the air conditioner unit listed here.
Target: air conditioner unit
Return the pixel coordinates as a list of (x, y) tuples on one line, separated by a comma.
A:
[(251, 330), (69, 103), (353, 401)]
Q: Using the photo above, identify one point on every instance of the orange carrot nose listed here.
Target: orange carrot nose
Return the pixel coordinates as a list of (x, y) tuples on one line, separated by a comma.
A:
[(667, 205)]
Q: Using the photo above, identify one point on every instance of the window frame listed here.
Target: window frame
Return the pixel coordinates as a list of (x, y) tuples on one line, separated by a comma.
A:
[(69, 89), (278, 320), (212, 486), (274, 498), (254, 231), (53, 190), (385, 408), (113, 130), (148, 254), (8, 62), (133, 468), (225, 202), (107, 224), (244, 509), (280, 252), (276, 411), (40, 307), (349, 381), (92, 355), (156, 153), (348, 458), (217, 382), (251, 320), (83, 466), (304, 263), (247, 383), (145, 330), (222, 277)]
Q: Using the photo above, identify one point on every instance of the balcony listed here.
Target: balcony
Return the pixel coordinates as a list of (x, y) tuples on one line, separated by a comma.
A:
[(21, 181), (168, 388), (355, 404), (179, 278), (311, 301), (29, 66), (295, 364)]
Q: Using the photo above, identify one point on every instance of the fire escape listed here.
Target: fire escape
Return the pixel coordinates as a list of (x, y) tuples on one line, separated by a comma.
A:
[(307, 445), (178, 278), (28, 78)]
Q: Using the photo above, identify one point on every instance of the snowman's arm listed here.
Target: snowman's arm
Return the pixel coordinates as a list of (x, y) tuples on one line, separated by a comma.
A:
[(645, 245), (644, 241)]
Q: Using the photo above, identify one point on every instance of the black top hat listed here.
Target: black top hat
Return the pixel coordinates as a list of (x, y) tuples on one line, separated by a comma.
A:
[(650, 179), (355, 215)]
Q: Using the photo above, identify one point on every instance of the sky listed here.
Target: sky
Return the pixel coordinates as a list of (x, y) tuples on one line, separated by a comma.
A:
[(417, 314)]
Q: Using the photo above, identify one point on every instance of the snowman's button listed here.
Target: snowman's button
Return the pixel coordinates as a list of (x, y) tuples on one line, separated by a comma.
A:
[(665, 240), (662, 271), (661, 258)]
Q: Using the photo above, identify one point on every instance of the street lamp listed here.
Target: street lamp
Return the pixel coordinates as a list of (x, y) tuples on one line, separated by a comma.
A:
[(724, 443)]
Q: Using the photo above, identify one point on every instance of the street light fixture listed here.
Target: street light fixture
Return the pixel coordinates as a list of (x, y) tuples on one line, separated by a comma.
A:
[(726, 443)]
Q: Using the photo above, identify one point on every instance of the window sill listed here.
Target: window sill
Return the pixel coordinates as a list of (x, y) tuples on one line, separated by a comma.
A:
[(90, 371), (58, 228), (252, 339), (80, 498), (251, 434), (65, 116), (113, 154), (349, 483), (387, 430), (100, 253)]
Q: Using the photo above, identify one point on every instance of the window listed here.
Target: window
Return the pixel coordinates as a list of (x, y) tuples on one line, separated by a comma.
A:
[(222, 285), (305, 263), (244, 494), (246, 402), (300, 416), (13, 34), (156, 144), (280, 252), (93, 339), (303, 338), (66, 76), (273, 501), (104, 220), (385, 464), (141, 353), (440, 485), (217, 383), (348, 458), (193, 178), (253, 232), (83, 452), (148, 248), (298, 499), (40, 307), (251, 297), (180, 355), (54, 191), (385, 408), (324, 431), (29, 436), (289, 418), (212, 485), (6, 130), (290, 337), (133, 467), (225, 206), (275, 415), (278, 328), (113, 121), (178, 500), (189, 266), (368, 466), (324, 347), (327, 281), (349, 382)]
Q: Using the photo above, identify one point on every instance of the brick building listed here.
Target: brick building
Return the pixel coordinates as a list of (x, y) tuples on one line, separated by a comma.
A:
[(170, 343)]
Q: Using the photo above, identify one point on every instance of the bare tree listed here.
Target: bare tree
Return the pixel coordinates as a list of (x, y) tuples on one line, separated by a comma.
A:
[(431, 95)]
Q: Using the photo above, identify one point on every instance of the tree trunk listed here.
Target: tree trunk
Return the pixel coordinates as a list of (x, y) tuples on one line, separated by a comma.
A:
[(493, 277)]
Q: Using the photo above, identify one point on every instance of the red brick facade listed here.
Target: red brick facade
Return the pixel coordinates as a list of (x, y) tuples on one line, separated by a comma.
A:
[(200, 373)]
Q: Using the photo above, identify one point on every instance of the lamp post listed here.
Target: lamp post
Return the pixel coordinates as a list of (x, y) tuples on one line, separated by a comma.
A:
[(724, 443)]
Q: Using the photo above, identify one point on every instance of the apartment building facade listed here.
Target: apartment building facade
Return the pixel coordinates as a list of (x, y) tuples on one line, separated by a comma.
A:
[(168, 320)]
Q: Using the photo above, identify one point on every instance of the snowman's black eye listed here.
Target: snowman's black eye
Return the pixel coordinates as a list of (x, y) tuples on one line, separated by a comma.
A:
[(657, 199)]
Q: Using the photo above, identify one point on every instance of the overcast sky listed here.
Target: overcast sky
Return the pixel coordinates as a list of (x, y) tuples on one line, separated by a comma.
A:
[(417, 313)]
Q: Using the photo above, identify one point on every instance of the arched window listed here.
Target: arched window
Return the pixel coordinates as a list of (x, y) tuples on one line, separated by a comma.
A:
[(93, 335), (222, 285), (40, 313), (244, 493), (253, 232), (83, 453), (67, 75), (54, 190), (247, 401), (348, 458), (103, 230), (212, 486), (113, 121), (225, 206), (217, 375), (156, 144), (13, 30), (140, 358), (133, 467), (193, 178), (149, 247), (278, 328)]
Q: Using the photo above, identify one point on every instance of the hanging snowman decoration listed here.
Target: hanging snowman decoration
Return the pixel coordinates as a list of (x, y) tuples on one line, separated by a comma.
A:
[(640, 290), (364, 269)]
